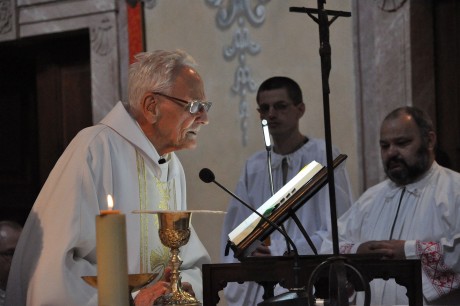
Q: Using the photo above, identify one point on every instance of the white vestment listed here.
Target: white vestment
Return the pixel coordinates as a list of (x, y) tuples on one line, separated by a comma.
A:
[(428, 219), (254, 188), (58, 242)]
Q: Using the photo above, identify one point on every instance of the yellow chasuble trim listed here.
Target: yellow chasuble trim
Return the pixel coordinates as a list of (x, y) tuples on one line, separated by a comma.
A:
[(154, 256), (142, 203)]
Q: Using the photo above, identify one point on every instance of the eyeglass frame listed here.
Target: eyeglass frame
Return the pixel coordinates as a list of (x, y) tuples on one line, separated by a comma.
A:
[(202, 105)]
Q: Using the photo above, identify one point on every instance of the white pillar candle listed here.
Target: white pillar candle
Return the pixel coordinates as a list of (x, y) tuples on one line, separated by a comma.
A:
[(112, 263)]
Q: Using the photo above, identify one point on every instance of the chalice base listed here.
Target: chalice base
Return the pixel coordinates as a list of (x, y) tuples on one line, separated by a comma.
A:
[(177, 298)]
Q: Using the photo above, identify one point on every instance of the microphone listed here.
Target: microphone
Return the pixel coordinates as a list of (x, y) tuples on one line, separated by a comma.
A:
[(208, 176), (268, 147), (266, 134)]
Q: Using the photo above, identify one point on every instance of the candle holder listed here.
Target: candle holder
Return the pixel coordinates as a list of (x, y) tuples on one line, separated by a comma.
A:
[(135, 282), (174, 232)]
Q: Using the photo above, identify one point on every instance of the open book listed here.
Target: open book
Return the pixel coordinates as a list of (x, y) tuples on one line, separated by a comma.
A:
[(277, 200), (278, 208)]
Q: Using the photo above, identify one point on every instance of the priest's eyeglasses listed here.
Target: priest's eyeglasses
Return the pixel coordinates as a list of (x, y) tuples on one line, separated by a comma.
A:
[(193, 106)]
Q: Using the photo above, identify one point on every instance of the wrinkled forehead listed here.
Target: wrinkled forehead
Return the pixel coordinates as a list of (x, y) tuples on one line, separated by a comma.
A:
[(188, 82)]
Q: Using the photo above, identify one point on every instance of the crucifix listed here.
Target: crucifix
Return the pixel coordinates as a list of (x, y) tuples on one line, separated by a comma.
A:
[(338, 294), (322, 19)]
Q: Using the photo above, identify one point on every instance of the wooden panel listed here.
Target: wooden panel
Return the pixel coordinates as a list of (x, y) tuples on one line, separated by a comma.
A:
[(447, 69), (63, 97), (49, 119), (45, 97), (18, 153), (76, 99)]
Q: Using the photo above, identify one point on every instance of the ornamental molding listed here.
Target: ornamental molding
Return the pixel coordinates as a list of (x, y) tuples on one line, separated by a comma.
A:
[(6, 16), (8, 29), (390, 5), (101, 42), (240, 12)]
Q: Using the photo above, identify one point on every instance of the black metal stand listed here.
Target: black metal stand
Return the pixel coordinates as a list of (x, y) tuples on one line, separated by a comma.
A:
[(336, 264), (325, 53)]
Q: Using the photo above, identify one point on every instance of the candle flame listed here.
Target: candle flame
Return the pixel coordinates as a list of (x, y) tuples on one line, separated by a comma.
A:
[(109, 202)]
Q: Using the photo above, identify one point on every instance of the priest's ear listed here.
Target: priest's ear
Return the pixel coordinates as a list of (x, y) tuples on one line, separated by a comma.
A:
[(149, 107)]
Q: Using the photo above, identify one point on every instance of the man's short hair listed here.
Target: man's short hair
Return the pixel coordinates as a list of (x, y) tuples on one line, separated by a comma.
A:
[(277, 82), (421, 118)]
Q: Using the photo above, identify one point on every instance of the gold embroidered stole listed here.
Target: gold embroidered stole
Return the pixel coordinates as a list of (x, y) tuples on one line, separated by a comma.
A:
[(154, 194)]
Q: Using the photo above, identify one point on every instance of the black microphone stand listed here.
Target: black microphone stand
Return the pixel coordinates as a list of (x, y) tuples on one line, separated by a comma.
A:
[(337, 265), (207, 176), (272, 224), (295, 296), (268, 147)]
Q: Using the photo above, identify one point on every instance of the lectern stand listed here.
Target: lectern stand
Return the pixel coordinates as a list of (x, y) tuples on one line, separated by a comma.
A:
[(278, 269)]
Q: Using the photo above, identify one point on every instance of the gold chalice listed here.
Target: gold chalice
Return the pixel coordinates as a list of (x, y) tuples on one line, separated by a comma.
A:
[(174, 232), (135, 282)]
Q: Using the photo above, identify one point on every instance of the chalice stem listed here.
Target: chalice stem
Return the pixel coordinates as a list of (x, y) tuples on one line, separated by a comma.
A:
[(175, 263)]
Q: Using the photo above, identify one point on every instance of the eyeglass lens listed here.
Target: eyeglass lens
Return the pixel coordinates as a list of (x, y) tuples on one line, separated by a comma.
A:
[(193, 106), (197, 106)]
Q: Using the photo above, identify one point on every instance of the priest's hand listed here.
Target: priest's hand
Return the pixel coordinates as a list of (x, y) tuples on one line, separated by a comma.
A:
[(261, 250), (390, 249), (149, 294), (187, 287)]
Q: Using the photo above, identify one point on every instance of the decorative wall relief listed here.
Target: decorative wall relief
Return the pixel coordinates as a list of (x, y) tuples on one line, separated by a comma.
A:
[(6, 13), (7, 20), (229, 13), (390, 5), (101, 41)]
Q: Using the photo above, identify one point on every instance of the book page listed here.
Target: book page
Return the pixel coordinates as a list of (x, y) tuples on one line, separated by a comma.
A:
[(278, 199)]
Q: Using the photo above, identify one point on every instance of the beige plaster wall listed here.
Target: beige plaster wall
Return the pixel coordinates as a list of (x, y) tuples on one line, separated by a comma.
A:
[(289, 46)]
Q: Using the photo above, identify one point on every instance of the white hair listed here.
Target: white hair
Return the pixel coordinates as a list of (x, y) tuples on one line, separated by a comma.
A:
[(154, 71)]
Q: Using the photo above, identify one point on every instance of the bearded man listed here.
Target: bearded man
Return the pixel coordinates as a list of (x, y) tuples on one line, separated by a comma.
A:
[(414, 214)]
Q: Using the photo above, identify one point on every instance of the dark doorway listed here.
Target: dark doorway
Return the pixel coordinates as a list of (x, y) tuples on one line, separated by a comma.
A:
[(45, 99)]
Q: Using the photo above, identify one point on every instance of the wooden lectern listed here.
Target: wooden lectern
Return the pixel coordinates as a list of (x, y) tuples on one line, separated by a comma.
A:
[(269, 271)]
